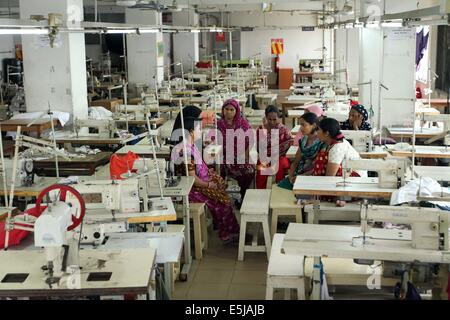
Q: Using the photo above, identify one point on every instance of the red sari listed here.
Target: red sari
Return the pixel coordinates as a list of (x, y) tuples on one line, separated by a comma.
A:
[(284, 143)]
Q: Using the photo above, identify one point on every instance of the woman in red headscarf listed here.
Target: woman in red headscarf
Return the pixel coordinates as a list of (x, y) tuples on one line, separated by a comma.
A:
[(236, 162)]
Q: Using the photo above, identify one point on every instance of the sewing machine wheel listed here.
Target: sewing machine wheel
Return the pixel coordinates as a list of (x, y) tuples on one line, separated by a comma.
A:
[(76, 221), (28, 166)]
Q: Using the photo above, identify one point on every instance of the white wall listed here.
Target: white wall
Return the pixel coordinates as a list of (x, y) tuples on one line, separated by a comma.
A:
[(297, 45), (185, 45)]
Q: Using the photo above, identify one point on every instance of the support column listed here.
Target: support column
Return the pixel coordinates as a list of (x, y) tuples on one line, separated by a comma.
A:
[(145, 52), (55, 76), (185, 45)]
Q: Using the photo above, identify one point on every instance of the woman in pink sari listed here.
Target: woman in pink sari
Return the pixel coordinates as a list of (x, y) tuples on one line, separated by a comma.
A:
[(232, 120), (209, 187)]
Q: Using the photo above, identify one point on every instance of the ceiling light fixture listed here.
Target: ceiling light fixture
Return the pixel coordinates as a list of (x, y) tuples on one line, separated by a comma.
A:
[(148, 30), (120, 31), (23, 31)]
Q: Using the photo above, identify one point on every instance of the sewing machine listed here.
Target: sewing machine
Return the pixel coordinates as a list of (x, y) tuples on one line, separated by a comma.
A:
[(54, 230), (445, 118), (61, 247), (360, 140), (106, 128), (137, 112), (418, 250), (429, 231), (24, 171), (391, 173), (132, 197), (197, 77)]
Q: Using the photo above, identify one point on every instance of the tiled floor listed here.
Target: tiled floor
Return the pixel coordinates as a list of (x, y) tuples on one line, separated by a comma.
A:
[(219, 276)]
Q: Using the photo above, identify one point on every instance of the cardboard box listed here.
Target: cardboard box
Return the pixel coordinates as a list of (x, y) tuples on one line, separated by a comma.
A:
[(107, 104), (135, 101)]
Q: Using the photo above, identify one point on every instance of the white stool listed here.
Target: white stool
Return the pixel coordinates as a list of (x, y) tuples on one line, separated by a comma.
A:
[(198, 216), (283, 203), (284, 271), (255, 208)]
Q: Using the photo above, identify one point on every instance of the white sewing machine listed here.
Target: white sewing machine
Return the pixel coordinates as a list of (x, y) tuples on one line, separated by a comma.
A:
[(391, 173), (418, 249), (137, 111), (133, 197), (360, 140), (106, 128), (444, 118), (61, 245), (24, 172), (430, 227)]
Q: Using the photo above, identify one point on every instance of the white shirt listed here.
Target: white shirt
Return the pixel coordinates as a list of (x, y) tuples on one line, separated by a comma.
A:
[(343, 150)]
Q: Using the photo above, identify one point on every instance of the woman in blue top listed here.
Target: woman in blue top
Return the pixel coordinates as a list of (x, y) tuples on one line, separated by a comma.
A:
[(309, 147)]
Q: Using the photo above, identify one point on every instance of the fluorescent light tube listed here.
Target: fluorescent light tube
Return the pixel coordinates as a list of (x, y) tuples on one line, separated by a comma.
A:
[(148, 30), (118, 31), (23, 31)]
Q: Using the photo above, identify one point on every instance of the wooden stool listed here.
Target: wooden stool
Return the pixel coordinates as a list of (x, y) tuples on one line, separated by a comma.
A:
[(283, 203), (197, 213), (255, 208), (284, 271)]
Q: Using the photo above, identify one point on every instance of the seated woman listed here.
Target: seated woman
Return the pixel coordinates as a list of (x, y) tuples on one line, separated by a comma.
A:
[(209, 187), (318, 111), (329, 160), (357, 119), (231, 121), (309, 147), (272, 124), (336, 148)]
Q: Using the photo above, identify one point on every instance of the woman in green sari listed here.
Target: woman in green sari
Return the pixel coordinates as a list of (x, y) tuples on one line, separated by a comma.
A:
[(309, 147)]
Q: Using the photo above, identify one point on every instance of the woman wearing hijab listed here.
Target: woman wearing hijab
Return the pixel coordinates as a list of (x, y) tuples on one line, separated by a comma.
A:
[(357, 119), (318, 111), (231, 121)]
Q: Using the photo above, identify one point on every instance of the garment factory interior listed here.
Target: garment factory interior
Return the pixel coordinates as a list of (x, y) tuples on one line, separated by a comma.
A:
[(224, 150)]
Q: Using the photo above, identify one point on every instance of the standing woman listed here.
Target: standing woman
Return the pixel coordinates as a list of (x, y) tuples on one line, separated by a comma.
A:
[(232, 120), (272, 124), (209, 187)]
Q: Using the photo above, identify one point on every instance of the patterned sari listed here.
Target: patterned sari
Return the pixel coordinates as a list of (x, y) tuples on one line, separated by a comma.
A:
[(284, 142), (216, 199)]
